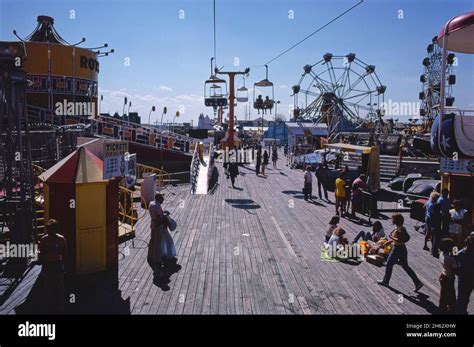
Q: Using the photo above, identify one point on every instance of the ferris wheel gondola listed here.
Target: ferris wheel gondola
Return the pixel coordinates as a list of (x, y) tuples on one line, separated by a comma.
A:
[(263, 94), (431, 80)]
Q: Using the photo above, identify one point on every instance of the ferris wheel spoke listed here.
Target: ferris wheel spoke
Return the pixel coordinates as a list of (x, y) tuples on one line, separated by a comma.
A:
[(328, 70), (351, 87), (342, 79), (362, 107)]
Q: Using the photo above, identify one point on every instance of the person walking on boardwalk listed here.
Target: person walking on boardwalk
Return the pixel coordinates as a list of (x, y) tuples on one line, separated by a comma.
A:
[(322, 174), (340, 194), (53, 251), (157, 225), (308, 184), (399, 253), (447, 294), (258, 162), (433, 224), (265, 162), (465, 261), (444, 204), (274, 156), (233, 172)]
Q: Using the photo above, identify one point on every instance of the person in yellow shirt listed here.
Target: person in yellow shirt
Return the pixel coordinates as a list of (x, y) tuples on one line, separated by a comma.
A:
[(340, 194)]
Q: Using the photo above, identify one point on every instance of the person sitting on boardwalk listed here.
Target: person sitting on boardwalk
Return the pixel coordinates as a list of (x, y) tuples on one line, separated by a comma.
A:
[(447, 294), (465, 261), (331, 227), (265, 162), (53, 250), (157, 225), (358, 187), (340, 194), (337, 238), (374, 236), (399, 253), (308, 184)]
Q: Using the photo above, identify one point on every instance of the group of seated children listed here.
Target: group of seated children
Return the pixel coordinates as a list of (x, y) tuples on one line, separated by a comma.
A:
[(371, 242)]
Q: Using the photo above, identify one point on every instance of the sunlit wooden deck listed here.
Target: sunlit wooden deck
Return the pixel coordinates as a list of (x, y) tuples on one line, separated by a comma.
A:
[(250, 251)]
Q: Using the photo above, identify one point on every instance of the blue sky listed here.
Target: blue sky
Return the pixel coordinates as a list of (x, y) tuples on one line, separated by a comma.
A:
[(169, 56)]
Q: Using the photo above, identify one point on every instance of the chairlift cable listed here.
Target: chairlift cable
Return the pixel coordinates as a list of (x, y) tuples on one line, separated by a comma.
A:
[(215, 49), (310, 35)]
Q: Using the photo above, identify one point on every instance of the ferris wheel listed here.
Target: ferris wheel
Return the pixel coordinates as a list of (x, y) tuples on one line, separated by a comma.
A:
[(341, 91), (431, 82)]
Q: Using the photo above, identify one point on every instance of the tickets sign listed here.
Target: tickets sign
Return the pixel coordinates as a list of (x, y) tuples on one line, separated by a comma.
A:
[(114, 158)]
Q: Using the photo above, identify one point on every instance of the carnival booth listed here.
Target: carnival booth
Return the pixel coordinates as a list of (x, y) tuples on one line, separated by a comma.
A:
[(86, 207), (368, 157), (452, 133)]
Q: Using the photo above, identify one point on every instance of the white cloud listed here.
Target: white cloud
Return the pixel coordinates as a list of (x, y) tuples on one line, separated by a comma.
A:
[(165, 88), (283, 86)]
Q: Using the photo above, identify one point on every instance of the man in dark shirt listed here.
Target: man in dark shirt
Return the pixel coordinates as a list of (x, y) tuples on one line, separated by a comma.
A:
[(444, 206), (322, 173), (53, 250), (465, 260)]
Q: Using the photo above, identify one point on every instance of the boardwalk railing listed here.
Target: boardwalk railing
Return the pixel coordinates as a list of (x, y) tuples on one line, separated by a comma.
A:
[(162, 177), (128, 215), (118, 128), (210, 165), (194, 169)]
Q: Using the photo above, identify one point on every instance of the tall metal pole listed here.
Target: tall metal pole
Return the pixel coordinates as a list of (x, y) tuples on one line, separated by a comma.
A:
[(442, 96), (230, 131)]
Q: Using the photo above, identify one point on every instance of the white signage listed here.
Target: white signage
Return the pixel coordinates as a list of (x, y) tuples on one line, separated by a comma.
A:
[(114, 158), (460, 166), (130, 170)]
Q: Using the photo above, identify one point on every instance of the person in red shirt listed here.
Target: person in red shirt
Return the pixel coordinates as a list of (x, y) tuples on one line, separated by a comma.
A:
[(358, 187), (53, 250)]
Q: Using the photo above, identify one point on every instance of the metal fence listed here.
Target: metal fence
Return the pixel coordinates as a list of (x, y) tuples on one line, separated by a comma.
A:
[(194, 170)]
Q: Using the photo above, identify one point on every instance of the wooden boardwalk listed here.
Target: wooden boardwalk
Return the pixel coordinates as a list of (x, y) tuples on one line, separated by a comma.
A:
[(256, 250)]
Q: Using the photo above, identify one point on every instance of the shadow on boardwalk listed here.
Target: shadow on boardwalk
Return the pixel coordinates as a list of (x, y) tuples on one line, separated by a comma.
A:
[(96, 293)]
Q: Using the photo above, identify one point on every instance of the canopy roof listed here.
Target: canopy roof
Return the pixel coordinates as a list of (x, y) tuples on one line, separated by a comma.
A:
[(460, 33), (348, 148), (81, 166), (45, 32)]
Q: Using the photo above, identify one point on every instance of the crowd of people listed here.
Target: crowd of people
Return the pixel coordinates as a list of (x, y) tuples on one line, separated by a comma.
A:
[(444, 218), (348, 195), (457, 260)]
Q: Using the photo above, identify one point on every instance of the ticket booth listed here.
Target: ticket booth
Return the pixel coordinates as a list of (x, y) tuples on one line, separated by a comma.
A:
[(369, 160), (86, 207), (458, 178)]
